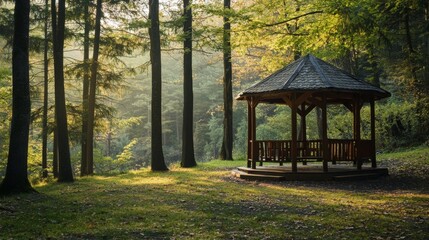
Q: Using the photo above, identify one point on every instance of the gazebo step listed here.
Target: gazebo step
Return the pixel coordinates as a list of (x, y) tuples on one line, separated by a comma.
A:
[(309, 173), (252, 176), (365, 176), (263, 171)]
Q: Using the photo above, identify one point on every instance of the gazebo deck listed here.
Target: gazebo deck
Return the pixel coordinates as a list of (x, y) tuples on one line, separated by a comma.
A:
[(309, 173)]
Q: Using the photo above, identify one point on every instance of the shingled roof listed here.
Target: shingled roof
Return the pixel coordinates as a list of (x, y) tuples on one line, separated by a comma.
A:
[(312, 74)]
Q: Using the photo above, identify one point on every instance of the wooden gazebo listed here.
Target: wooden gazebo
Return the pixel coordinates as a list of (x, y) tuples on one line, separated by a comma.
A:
[(307, 83)]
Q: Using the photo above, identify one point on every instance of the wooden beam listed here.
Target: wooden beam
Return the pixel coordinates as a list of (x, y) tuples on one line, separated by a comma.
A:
[(373, 156), (299, 100), (308, 109), (287, 100), (316, 102), (304, 111), (299, 111), (348, 106), (253, 130), (356, 127), (325, 142), (254, 102), (249, 132), (303, 137), (294, 147)]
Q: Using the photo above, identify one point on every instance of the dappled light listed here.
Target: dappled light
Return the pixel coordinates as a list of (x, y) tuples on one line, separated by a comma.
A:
[(206, 202)]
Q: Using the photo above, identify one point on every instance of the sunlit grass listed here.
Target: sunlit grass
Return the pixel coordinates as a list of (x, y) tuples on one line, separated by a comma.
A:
[(206, 203)]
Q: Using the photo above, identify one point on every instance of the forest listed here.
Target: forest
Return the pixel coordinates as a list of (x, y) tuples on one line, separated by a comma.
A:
[(109, 87)]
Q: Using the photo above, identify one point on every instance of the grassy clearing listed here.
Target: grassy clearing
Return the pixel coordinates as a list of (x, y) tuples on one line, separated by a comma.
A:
[(206, 203)]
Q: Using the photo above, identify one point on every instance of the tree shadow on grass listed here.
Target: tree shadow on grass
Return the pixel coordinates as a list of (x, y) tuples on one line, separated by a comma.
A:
[(190, 204), (382, 184), (119, 234)]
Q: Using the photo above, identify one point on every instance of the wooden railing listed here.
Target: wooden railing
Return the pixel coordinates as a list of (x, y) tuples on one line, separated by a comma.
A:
[(273, 151), (310, 149), (338, 150), (342, 150)]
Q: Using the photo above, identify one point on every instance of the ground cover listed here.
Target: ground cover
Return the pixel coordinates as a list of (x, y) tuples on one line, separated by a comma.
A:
[(207, 203)]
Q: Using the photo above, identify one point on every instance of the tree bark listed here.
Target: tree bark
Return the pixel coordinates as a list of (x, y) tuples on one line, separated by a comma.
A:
[(411, 53), (16, 178), (157, 160), (85, 92), (45, 95), (55, 154), (92, 88), (188, 156), (226, 151), (426, 80), (426, 18), (65, 172)]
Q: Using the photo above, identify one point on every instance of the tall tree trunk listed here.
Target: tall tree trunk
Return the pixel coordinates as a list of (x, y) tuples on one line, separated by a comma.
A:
[(92, 88), (426, 53), (226, 151), (157, 160), (45, 95), (65, 173), (16, 178), (85, 91), (411, 51), (375, 69), (188, 156), (55, 154)]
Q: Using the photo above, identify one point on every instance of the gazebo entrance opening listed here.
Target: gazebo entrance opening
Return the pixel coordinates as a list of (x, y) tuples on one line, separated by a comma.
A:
[(304, 85)]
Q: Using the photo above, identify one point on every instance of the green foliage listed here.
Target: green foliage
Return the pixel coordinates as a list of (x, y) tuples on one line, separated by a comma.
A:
[(371, 39), (400, 126), (5, 114), (6, 23), (127, 154)]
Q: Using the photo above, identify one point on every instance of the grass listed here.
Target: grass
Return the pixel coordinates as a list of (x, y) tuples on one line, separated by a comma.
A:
[(206, 203)]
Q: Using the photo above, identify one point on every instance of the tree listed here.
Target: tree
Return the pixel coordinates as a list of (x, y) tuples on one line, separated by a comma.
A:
[(226, 151), (65, 173), (16, 178), (92, 88), (157, 160), (45, 95), (188, 157), (84, 169)]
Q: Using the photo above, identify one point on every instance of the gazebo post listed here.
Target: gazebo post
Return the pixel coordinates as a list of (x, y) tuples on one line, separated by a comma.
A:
[(252, 130), (356, 127), (373, 157), (294, 147), (325, 142), (249, 133), (303, 137)]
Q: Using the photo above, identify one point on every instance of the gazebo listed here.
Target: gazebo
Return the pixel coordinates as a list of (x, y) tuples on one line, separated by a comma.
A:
[(304, 84)]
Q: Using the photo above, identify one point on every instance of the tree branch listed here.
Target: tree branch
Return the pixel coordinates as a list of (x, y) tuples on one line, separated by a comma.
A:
[(291, 19)]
